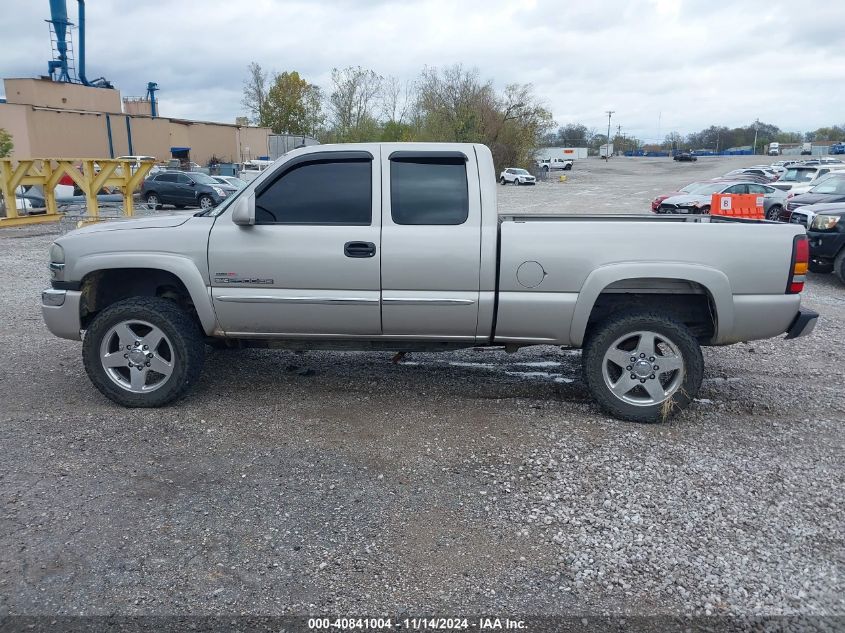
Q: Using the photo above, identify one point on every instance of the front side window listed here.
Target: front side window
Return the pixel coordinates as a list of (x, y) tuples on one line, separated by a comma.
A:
[(429, 190), (182, 179), (166, 178), (319, 192)]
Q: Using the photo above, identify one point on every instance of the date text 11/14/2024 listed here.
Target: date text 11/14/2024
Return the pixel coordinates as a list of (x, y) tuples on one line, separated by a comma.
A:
[(417, 624)]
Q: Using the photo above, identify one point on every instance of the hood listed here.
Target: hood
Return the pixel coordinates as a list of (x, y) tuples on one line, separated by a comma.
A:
[(815, 198), (150, 222), (824, 207), (688, 199)]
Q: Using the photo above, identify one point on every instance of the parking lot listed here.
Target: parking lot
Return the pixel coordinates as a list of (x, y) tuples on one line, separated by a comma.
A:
[(469, 482)]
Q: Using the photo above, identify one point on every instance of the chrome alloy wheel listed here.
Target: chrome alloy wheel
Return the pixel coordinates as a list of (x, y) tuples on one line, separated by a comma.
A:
[(643, 368), (137, 356)]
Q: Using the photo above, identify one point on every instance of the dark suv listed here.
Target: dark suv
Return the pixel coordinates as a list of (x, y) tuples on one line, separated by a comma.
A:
[(827, 242), (184, 189)]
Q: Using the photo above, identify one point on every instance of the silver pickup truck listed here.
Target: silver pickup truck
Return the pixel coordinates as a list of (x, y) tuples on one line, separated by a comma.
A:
[(400, 247)]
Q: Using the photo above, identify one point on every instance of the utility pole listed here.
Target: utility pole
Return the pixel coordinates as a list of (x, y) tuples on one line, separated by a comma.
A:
[(609, 114), (756, 123)]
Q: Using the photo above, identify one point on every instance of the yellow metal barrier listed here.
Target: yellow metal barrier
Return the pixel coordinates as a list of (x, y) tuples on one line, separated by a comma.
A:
[(46, 172)]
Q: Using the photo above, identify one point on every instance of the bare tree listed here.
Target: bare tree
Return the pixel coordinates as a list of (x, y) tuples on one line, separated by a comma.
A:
[(255, 92), (396, 99), (353, 103)]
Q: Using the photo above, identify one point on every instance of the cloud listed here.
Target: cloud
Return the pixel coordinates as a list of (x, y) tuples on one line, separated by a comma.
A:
[(685, 64)]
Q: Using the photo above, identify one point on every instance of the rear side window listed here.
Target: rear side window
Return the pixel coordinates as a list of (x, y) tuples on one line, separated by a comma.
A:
[(166, 178), (319, 192), (427, 190)]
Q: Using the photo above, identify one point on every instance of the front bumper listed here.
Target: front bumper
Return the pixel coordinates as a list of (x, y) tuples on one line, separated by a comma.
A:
[(804, 323), (60, 309), (825, 245)]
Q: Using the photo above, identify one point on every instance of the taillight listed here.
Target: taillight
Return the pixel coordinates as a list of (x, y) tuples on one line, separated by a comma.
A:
[(800, 264)]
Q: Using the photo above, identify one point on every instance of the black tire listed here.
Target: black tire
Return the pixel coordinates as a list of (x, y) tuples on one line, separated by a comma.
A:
[(208, 198), (567, 168), (182, 332), (603, 337), (516, 181), (773, 214), (503, 181), (822, 268), (704, 210), (153, 201), (839, 265)]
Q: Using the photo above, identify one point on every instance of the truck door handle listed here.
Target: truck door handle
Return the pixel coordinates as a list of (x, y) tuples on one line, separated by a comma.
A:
[(359, 249)]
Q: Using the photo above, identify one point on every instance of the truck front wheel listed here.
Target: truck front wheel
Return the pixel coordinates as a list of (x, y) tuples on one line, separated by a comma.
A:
[(642, 367), (143, 352)]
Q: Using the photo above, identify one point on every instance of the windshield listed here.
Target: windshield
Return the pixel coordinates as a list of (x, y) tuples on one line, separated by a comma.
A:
[(709, 187), (202, 179), (830, 185), (236, 182), (798, 175)]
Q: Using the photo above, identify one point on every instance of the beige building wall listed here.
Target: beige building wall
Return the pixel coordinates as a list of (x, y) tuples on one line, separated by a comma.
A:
[(54, 94), (57, 134), (13, 119), (42, 132), (151, 137), (137, 106), (254, 142)]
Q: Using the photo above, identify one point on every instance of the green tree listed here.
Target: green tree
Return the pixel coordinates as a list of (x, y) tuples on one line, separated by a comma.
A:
[(6, 145), (292, 106)]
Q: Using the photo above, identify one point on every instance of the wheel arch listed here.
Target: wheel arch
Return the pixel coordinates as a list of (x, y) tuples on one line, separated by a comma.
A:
[(666, 281), (163, 275)]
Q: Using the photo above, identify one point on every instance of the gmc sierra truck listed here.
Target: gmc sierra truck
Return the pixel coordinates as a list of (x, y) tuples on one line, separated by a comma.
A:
[(400, 247)]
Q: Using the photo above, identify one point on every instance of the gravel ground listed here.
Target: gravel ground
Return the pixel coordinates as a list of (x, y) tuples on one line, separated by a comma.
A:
[(470, 482)]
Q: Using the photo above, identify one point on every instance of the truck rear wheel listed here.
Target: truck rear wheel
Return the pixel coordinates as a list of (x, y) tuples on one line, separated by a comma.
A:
[(643, 367), (143, 352)]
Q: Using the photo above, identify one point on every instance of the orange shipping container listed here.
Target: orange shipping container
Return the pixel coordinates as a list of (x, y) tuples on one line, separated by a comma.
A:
[(738, 205)]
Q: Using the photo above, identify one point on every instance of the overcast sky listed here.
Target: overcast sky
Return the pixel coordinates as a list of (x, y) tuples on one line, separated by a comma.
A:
[(662, 65)]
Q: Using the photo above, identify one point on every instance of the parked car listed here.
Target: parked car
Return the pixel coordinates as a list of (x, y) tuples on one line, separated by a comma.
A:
[(685, 157), (831, 189), (838, 148), (401, 247), (137, 160), (230, 181), (804, 215), (184, 189), (699, 200), (774, 149), (807, 149), (827, 242), (801, 177), (690, 188), (516, 176), (555, 164), (761, 172)]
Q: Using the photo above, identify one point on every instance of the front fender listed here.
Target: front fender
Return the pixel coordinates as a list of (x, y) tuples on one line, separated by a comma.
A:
[(715, 281), (183, 267)]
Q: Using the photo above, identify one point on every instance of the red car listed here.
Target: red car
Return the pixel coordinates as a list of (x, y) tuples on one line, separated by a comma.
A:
[(688, 189)]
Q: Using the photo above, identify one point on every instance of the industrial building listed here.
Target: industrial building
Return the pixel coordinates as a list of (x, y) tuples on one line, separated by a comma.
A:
[(50, 118), (63, 114)]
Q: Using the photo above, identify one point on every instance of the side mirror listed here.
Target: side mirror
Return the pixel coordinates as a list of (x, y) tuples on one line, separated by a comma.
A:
[(243, 210)]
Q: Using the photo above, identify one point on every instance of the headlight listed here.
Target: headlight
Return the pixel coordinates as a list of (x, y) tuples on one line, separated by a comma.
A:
[(825, 222), (57, 262), (57, 254), (220, 192)]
